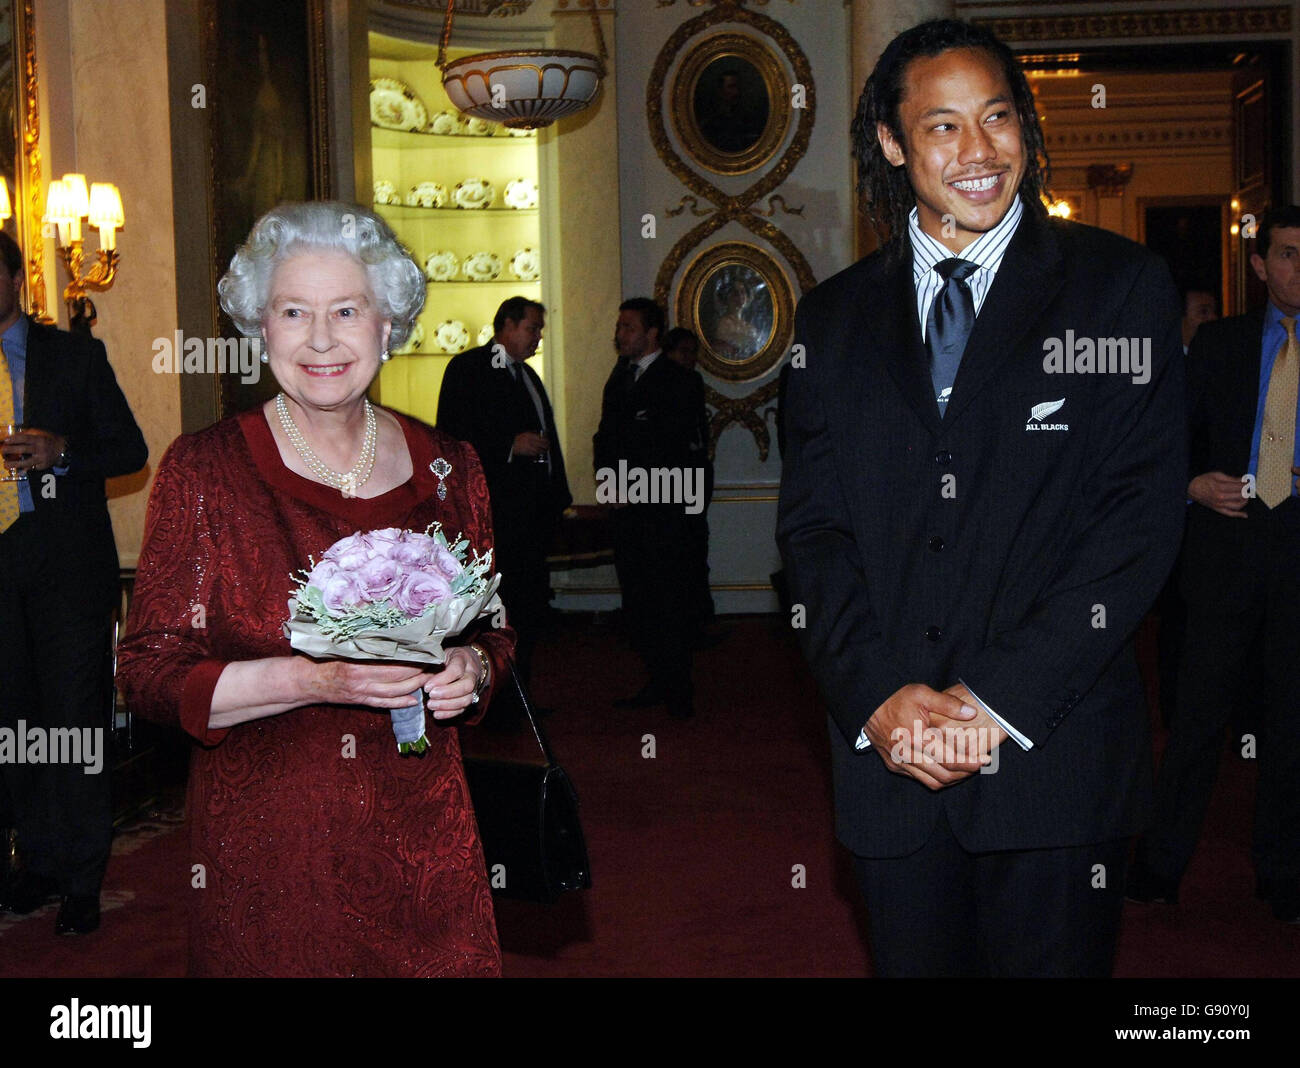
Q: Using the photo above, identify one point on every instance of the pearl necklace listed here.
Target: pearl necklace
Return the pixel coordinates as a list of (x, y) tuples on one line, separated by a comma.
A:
[(350, 481)]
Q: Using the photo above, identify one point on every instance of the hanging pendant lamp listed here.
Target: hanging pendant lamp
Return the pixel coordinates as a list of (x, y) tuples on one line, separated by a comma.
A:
[(523, 89)]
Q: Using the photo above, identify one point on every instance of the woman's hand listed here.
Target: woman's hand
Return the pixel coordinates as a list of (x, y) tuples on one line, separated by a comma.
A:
[(455, 684), (343, 682)]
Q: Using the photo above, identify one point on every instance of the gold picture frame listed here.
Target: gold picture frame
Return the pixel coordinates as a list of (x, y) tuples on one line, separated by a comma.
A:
[(737, 299), (731, 103)]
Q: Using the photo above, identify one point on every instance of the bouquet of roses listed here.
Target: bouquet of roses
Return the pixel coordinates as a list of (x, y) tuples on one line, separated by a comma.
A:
[(391, 595)]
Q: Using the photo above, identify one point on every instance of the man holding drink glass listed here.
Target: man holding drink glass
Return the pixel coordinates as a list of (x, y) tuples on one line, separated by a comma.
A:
[(66, 428)]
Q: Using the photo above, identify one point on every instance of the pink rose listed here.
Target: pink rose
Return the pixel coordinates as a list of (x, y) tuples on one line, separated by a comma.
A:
[(446, 564), (378, 577), (343, 546), (383, 541), (342, 592), (419, 590), (352, 556), (412, 550)]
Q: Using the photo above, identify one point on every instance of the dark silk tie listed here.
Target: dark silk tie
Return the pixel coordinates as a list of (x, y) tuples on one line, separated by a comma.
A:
[(948, 325)]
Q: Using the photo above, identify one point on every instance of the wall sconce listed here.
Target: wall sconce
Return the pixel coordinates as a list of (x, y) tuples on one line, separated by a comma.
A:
[(67, 202)]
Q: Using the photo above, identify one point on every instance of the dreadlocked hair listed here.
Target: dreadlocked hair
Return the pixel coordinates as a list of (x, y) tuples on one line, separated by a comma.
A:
[(884, 190)]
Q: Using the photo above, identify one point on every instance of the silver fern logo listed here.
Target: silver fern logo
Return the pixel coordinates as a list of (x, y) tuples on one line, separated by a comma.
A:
[(1039, 412)]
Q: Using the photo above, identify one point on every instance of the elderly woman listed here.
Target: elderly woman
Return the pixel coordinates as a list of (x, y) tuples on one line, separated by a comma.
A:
[(316, 848)]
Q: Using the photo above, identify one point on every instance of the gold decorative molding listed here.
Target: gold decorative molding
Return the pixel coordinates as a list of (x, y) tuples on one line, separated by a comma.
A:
[(693, 203), (742, 410), (738, 208), (1137, 136), (1202, 22), (481, 8), (28, 172), (772, 202), (1109, 179)]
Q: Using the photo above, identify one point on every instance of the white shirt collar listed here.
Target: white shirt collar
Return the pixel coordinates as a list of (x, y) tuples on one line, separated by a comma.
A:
[(986, 250)]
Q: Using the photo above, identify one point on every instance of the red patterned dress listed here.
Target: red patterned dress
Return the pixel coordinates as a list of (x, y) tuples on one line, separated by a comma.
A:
[(323, 852)]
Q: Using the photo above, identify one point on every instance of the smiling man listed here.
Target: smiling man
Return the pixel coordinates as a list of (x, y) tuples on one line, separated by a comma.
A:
[(970, 589)]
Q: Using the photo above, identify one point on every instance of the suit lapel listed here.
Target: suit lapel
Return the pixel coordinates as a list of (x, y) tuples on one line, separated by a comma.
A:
[(887, 316), (1244, 378), (1028, 279)]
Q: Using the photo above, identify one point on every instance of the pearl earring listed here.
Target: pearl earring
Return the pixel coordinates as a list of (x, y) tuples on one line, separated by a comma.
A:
[(266, 357), (384, 357)]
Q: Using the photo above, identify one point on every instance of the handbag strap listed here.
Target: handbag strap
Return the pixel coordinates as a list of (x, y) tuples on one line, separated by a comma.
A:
[(533, 721)]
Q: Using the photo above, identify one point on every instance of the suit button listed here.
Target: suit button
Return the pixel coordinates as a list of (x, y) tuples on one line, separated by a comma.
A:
[(943, 458), (936, 544), (933, 633)]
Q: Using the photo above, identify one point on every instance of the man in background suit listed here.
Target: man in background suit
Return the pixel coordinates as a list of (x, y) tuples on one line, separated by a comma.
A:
[(973, 526), (1241, 583), (491, 398), (58, 584), (650, 420)]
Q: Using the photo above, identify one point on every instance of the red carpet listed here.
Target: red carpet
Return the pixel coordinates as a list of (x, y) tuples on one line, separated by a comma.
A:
[(695, 851)]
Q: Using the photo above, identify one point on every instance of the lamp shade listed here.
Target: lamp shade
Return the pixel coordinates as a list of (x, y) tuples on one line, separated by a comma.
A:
[(523, 90), (105, 206), (58, 205), (78, 198), (6, 208)]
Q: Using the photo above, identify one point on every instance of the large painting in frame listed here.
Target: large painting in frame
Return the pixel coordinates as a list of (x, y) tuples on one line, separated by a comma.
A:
[(266, 100)]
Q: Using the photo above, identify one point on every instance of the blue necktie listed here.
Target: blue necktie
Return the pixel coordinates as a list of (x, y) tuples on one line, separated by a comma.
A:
[(948, 325)]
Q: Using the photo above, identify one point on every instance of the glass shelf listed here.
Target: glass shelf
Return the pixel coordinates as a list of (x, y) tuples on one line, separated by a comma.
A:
[(380, 136), (413, 211), (492, 282)]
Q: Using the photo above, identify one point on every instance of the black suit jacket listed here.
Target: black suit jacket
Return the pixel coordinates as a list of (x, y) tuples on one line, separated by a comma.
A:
[(482, 405), (996, 575), (1223, 394), (70, 389), (657, 424)]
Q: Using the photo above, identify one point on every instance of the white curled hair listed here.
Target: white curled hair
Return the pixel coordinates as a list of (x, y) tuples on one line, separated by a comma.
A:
[(395, 278)]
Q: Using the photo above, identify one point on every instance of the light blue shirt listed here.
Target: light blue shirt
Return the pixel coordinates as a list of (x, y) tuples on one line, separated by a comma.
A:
[(1270, 346), (15, 343)]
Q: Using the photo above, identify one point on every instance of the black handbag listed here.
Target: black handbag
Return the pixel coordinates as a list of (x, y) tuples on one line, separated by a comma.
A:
[(528, 821)]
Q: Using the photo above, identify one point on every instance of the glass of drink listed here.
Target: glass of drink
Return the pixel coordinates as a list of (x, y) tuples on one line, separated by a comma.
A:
[(8, 474)]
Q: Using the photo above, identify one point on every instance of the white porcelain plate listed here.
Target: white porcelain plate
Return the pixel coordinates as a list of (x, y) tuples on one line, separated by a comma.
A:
[(482, 267), (441, 266), (474, 193), (452, 336), (526, 265), (428, 195), (486, 334), (394, 107), (446, 122), (521, 194)]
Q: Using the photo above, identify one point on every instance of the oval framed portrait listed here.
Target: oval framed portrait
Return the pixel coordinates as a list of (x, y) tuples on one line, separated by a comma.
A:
[(737, 299), (731, 103)]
